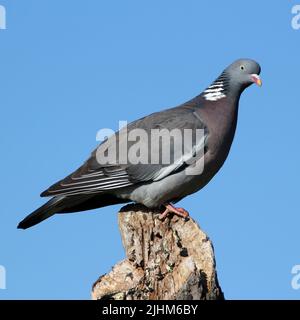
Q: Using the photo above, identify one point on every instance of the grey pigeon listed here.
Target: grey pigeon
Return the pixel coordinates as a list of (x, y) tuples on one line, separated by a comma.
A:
[(158, 185)]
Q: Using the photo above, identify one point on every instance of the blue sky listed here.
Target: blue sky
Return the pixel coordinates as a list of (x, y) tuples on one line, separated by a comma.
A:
[(70, 68)]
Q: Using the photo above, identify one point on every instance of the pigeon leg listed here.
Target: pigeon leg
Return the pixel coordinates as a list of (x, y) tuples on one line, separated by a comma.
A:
[(171, 209)]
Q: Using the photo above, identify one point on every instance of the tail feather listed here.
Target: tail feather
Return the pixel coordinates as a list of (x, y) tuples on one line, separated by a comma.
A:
[(68, 204), (45, 211)]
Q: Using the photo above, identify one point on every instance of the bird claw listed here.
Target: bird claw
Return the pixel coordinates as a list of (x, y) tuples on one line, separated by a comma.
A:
[(181, 212)]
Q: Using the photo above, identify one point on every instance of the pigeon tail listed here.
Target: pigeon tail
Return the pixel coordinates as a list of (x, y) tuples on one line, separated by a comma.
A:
[(44, 212), (69, 204)]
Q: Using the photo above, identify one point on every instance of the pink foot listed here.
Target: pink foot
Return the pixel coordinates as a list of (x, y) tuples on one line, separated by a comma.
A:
[(171, 209)]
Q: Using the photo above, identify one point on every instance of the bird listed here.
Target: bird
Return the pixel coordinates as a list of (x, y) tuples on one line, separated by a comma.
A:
[(97, 183)]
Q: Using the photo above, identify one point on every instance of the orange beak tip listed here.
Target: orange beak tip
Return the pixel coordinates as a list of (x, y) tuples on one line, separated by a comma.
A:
[(256, 79)]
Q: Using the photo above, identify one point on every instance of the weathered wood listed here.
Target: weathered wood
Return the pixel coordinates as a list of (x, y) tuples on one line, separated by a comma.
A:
[(169, 259)]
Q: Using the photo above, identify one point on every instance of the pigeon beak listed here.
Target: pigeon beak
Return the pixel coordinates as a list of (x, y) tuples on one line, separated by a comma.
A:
[(256, 79)]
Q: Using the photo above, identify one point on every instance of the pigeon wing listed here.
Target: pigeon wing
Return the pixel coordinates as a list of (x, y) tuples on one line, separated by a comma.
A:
[(97, 176)]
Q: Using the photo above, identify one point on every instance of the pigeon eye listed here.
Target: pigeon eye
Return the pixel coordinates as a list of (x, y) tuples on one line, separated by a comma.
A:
[(242, 68)]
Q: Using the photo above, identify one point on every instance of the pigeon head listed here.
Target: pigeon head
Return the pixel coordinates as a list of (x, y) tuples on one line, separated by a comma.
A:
[(234, 80), (242, 73)]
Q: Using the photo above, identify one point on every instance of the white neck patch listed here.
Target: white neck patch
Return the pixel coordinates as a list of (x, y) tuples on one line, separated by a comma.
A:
[(215, 91)]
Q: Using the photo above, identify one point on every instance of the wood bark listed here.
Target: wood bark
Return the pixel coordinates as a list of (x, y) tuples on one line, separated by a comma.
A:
[(171, 259)]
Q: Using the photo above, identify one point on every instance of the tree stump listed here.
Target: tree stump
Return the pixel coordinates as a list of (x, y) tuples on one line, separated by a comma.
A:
[(171, 259)]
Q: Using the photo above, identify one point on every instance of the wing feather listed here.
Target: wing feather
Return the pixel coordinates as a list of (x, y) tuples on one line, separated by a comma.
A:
[(93, 177)]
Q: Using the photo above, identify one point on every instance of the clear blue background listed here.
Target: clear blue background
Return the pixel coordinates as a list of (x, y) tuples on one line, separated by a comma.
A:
[(70, 68)]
